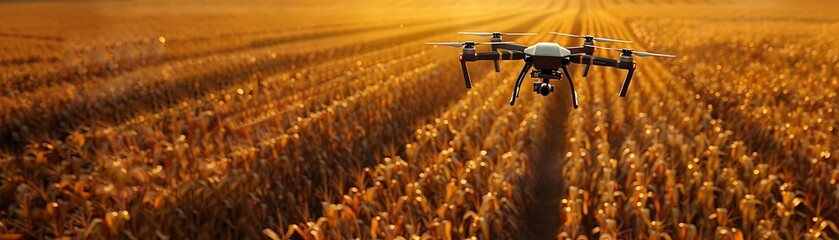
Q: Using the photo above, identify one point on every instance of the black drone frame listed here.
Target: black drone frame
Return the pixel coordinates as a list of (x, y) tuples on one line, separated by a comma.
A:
[(512, 51), (548, 61)]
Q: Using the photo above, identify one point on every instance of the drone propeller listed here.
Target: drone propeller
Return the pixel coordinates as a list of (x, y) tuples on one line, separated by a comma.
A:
[(460, 44), (496, 37), (637, 53), (490, 34), (649, 54), (590, 38), (469, 48), (589, 42), (627, 53)]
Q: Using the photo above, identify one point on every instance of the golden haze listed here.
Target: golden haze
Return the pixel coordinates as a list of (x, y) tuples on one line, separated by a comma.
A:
[(331, 120)]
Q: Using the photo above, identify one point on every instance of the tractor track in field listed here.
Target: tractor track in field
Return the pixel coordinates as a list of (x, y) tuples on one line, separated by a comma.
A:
[(541, 215)]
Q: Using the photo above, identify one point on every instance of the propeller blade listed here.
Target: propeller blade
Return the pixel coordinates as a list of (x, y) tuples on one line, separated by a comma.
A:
[(519, 34), (566, 34), (459, 44), (638, 53), (449, 44), (489, 34), (607, 48), (484, 34), (600, 39), (492, 43), (647, 54)]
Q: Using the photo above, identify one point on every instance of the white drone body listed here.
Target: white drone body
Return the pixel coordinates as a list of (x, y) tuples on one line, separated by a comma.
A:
[(547, 49)]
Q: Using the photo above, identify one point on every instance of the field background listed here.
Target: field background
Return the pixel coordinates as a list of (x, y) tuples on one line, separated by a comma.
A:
[(331, 119)]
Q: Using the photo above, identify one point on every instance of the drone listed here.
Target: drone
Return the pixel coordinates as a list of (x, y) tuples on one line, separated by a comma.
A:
[(547, 58)]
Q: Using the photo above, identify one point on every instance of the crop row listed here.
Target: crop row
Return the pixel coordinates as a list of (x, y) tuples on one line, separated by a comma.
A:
[(662, 166)]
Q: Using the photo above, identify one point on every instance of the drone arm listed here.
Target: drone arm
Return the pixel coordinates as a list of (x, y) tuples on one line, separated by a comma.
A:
[(592, 60), (626, 80), (582, 49), (586, 69), (495, 63), (500, 55), (465, 70), (627, 64), (510, 46)]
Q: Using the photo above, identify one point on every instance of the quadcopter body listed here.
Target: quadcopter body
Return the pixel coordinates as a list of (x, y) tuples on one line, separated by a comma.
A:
[(547, 60)]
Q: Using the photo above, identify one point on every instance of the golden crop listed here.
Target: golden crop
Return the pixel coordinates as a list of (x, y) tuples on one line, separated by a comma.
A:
[(330, 120)]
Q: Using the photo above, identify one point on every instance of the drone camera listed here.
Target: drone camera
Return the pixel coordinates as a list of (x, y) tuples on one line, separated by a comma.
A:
[(543, 88)]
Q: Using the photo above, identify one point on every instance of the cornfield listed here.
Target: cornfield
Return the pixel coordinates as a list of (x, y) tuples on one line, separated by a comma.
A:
[(331, 120)]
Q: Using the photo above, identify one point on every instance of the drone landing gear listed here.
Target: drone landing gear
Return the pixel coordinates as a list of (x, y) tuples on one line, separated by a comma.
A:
[(544, 88), (526, 67), (571, 84)]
